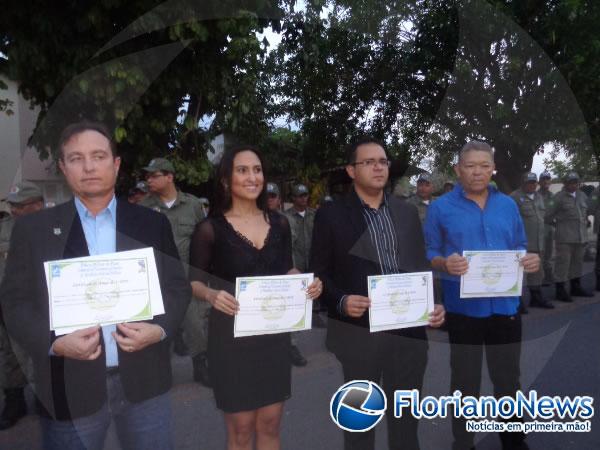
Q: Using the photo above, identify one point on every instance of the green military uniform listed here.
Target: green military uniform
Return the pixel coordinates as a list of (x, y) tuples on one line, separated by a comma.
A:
[(302, 229), (421, 205), (183, 215), (11, 374), (570, 213), (549, 232), (533, 212), (594, 209)]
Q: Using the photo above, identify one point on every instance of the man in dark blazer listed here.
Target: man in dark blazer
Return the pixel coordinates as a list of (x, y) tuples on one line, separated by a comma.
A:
[(85, 378), (371, 233)]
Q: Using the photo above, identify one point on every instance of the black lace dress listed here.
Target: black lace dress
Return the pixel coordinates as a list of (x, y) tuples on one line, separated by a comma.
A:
[(246, 372)]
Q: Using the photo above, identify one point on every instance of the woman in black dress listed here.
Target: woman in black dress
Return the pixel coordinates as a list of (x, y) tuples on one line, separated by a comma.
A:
[(250, 375)]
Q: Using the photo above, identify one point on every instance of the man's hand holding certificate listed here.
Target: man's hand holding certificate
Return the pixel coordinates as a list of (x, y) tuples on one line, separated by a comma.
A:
[(103, 289), (400, 301), (272, 304), (492, 274)]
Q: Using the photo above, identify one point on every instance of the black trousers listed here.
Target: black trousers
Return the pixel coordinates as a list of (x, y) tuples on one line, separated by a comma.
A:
[(398, 363), (501, 338)]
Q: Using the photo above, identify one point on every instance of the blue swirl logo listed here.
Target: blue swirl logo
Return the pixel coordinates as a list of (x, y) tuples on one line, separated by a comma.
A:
[(358, 406)]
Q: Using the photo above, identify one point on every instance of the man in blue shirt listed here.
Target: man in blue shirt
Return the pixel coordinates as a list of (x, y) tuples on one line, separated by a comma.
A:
[(476, 216), (85, 378)]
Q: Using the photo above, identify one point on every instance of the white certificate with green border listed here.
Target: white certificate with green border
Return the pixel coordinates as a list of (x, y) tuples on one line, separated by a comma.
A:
[(273, 304), (492, 274), (102, 290), (400, 301)]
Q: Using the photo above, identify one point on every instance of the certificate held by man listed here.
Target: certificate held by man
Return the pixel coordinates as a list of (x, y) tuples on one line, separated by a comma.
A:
[(492, 274), (103, 289), (400, 301), (272, 304)]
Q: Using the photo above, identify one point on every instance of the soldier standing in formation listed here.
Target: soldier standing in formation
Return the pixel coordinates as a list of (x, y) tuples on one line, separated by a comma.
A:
[(594, 209), (549, 229), (422, 198), (569, 210), (532, 209), (302, 219), (274, 204), (24, 198), (184, 211)]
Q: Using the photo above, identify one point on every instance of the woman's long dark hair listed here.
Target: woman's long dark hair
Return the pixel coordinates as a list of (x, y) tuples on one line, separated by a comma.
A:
[(222, 202)]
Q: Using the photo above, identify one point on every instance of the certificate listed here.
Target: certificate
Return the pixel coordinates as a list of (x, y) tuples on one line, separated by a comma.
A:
[(492, 274), (275, 304), (103, 289), (400, 301)]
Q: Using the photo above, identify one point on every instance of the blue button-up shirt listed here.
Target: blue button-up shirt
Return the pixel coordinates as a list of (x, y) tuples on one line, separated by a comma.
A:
[(455, 223), (101, 237)]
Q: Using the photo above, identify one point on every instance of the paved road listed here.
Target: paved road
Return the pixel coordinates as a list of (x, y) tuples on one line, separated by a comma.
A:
[(561, 356)]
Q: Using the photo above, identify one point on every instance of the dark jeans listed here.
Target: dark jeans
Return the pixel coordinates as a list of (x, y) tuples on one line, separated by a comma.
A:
[(139, 426), (501, 338), (400, 362)]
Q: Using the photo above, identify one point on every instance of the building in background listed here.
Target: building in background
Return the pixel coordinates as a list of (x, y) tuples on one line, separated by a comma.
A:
[(19, 161)]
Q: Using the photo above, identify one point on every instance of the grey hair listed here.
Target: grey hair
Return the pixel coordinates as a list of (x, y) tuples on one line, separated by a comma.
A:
[(478, 146)]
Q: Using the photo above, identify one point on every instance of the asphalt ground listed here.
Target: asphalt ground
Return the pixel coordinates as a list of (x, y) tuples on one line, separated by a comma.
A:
[(560, 357)]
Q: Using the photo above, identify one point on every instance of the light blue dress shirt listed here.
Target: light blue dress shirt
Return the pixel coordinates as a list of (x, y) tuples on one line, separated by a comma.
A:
[(455, 223), (101, 236)]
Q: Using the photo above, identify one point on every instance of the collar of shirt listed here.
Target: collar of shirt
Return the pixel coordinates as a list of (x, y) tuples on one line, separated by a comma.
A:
[(85, 215), (384, 202), (458, 189)]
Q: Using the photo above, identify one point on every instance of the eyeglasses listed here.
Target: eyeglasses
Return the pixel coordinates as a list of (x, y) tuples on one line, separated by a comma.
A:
[(384, 162)]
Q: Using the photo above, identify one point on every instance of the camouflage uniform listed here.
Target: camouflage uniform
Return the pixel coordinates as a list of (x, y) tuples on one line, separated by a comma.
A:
[(11, 374), (183, 215), (570, 213), (594, 209), (421, 205), (302, 229), (549, 232), (533, 211)]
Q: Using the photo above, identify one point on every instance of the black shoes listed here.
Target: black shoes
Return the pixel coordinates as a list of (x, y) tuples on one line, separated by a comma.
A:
[(561, 293), (14, 407), (577, 290), (296, 357), (538, 300), (200, 365)]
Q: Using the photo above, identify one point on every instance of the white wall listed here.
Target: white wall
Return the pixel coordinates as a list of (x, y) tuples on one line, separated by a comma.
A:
[(18, 161)]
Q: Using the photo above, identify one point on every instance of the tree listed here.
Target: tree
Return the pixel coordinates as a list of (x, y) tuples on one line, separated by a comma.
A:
[(427, 76), (154, 74)]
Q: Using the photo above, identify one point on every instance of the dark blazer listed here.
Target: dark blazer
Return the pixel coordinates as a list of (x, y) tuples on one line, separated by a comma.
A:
[(68, 388), (343, 257)]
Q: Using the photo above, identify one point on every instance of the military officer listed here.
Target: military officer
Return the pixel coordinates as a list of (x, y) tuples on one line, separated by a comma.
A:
[(549, 229), (423, 196), (302, 219), (569, 210), (594, 209), (24, 198), (274, 204), (533, 210), (184, 211), (137, 193)]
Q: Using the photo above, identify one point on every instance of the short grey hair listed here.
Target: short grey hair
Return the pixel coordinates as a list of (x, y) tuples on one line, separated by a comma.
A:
[(478, 146)]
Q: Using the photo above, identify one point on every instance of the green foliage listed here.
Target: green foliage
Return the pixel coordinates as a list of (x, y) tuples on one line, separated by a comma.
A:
[(154, 74), (424, 76)]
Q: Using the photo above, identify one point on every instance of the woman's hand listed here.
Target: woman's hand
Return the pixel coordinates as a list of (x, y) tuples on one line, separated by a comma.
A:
[(315, 289), (223, 301)]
